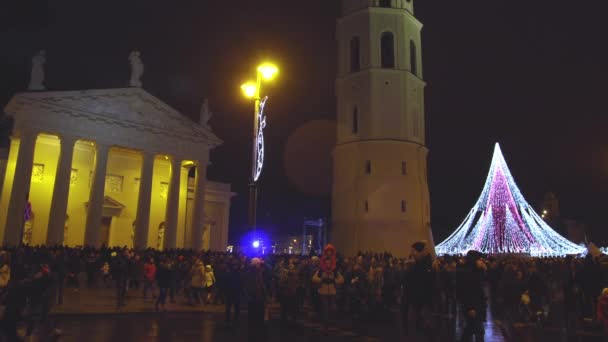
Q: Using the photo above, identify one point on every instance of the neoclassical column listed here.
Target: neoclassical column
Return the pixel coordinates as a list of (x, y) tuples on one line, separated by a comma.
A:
[(198, 217), (173, 204), (61, 190), (226, 219), (142, 221), (95, 208), (21, 188)]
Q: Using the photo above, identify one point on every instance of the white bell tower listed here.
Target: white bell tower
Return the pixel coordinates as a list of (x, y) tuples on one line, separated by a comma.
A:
[(380, 196)]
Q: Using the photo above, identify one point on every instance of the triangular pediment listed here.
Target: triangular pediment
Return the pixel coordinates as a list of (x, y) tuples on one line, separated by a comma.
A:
[(127, 106)]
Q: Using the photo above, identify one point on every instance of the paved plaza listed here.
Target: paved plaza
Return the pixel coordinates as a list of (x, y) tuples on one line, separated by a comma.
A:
[(91, 315)]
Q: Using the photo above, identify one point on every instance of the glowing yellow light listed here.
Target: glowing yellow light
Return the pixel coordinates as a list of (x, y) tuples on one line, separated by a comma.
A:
[(166, 158), (544, 211), (249, 89), (295, 240), (268, 70)]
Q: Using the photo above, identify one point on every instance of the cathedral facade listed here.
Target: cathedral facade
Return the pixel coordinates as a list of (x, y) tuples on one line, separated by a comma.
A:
[(109, 167), (380, 196)]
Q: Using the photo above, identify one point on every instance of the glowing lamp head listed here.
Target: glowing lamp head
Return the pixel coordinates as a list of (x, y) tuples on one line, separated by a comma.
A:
[(249, 89), (268, 71), (256, 244)]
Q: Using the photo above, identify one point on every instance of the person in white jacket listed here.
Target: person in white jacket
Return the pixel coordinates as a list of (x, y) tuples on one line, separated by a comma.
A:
[(209, 284), (198, 280)]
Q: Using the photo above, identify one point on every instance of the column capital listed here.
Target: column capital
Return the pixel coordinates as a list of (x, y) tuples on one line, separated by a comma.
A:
[(28, 134), (176, 160), (68, 138)]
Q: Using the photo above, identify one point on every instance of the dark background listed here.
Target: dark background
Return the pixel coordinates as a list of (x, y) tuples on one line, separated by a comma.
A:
[(531, 75)]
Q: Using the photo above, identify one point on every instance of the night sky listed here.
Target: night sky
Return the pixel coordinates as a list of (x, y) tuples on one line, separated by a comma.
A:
[(531, 75)]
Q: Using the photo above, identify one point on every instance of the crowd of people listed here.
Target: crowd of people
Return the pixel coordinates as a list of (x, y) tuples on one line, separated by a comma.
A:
[(365, 287)]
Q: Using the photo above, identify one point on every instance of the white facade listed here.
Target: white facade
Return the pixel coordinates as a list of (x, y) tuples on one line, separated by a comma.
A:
[(380, 196), (109, 166)]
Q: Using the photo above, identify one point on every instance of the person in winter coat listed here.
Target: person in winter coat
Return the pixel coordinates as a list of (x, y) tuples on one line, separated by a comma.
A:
[(198, 280), (105, 274), (471, 295), (255, 293), (149, 277), (232, 290), (120, 273), (163, 278), (327, 279), (209, 284), (288, 287), (418, 284), (602, 310)]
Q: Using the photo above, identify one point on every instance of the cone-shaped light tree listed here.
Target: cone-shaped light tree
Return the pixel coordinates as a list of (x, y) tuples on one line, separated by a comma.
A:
[(503, 222)]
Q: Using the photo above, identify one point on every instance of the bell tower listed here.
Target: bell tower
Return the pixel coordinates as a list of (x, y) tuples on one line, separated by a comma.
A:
[(380, 197)]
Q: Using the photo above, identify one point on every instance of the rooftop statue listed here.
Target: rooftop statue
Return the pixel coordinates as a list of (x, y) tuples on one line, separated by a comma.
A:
[(137, 69), (37, 75), (205, 114)]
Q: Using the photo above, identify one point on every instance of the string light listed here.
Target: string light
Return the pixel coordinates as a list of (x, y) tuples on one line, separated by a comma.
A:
[(260, 140), (503, 222)]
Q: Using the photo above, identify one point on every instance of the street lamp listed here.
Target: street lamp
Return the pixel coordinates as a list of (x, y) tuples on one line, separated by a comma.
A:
[(252, 90)]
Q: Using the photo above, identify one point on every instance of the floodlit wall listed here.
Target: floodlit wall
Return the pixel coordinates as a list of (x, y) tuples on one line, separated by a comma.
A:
[(122, 185)]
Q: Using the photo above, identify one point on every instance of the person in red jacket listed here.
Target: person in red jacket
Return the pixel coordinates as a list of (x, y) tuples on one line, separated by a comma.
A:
[(149, 277), (602, 310)]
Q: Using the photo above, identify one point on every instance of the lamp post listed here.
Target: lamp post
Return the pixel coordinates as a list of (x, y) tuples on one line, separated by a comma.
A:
[(252, 90)]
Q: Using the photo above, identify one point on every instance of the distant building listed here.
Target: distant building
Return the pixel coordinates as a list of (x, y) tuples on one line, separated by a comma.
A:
[(550, 211)]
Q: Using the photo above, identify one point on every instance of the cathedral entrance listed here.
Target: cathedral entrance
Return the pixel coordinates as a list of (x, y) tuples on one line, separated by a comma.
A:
[(106, 223)]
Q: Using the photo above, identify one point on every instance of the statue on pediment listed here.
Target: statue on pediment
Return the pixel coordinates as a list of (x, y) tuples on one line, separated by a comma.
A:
[(37, 75), (137, 69), (205, 114)]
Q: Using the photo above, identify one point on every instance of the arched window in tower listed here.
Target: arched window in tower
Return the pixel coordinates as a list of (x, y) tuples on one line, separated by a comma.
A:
[(387, 50), (355, 63), (413, 58), (385, 3), (355, 120)]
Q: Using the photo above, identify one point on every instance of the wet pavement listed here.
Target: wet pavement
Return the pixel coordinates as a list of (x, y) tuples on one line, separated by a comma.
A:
[(90, 315), (209, 326)]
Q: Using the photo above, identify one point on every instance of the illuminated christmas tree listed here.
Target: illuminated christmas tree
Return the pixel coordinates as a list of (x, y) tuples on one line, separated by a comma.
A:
[(503, 222)]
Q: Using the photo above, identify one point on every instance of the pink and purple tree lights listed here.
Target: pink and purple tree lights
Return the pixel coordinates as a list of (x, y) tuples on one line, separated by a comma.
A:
[(503, 222)]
